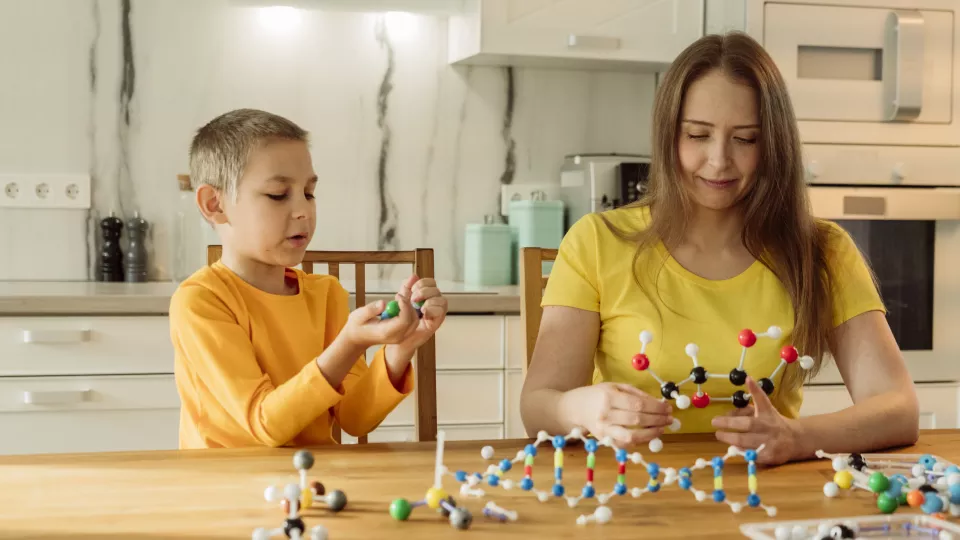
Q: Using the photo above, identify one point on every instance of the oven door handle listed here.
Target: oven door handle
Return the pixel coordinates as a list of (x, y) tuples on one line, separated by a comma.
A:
[(903, 65), (894, 203)]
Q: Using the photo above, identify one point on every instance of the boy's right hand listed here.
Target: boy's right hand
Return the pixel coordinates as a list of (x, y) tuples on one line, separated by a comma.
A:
[(622, 412), (364, 328)]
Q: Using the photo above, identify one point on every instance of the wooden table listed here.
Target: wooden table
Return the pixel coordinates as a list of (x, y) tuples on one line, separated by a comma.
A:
[(219, 493)]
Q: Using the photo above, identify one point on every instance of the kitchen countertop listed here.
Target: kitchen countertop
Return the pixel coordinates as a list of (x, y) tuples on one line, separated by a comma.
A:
[(25, 298)]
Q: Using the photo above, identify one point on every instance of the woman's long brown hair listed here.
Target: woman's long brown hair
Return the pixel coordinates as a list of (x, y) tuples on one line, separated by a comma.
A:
[(779, 229)]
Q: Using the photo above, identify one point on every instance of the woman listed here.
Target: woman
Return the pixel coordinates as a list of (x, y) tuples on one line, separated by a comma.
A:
[(723, 241)]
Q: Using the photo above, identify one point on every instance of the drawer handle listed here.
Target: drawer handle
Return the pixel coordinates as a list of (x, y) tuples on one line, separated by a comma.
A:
[(55, 397), (593, 42), (56, 336)]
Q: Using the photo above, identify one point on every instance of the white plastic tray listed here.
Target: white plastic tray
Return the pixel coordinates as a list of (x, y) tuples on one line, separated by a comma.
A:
[(809, 529)]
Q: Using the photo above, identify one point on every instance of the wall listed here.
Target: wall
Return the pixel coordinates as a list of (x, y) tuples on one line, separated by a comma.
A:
[(408, 149)]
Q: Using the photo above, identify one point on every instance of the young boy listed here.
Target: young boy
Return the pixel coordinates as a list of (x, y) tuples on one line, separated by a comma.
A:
[(266, 354)]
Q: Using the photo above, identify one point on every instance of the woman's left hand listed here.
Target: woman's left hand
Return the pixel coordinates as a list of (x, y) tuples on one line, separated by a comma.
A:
[(758, 424)]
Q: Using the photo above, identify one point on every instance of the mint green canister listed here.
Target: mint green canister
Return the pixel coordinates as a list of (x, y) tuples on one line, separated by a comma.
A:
[(535, 223), (487, 260)]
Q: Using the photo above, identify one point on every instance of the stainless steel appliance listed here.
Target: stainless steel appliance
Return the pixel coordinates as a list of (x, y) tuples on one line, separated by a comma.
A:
[(597, 182)]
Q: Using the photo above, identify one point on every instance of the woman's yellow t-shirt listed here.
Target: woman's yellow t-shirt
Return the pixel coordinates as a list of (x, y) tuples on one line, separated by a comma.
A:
[(594, 272)]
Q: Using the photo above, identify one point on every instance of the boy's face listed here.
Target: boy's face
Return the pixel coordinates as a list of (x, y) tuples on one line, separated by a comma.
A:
[(273, 217)]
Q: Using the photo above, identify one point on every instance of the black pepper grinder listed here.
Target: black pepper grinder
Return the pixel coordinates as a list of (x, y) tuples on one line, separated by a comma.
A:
[(111, 257), (136, 257)]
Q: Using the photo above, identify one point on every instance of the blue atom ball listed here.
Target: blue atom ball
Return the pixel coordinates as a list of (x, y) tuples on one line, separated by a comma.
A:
[(530, 450), (753, 500), (526, 484), (653, 469), (558, 490), (717, 462), (685, 483), (954, 494), (719, 495), (620, 489), (505, 465), (751, 455), (559, 441), (493, 480), (621, 455), (588, 492), (461, 476), (591, 445)]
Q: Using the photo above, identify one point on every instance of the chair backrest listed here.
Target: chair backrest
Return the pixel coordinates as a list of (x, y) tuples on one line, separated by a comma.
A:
[(425, 361), (532, 283)]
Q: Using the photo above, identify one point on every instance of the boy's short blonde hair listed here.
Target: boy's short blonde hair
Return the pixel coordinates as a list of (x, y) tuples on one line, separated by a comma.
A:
[(220, 149)]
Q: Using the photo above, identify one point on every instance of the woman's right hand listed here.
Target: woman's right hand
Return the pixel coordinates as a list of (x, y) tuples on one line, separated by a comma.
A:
[(622, 412)]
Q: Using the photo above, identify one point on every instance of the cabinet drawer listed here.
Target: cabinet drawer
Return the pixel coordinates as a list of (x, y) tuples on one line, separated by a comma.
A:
[(470, 342), (469, 397), (453, 433), (939, 403), (88, 414), (85, 345)]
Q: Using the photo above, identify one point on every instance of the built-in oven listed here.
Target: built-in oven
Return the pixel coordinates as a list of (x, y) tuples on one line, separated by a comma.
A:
[(875, 87)]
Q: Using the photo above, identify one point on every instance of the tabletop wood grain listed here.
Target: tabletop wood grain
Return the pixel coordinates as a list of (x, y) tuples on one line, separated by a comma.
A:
[(219, 493)]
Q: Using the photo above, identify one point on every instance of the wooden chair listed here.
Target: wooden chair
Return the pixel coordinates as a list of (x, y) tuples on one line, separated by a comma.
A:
[(532, 283), (425, 361)]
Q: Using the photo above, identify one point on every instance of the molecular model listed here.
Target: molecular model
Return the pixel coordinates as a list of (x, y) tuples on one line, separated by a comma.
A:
[(859, 527), (494, 476), (436, 498), (393, 309), (934, 487), (293, 526), (699, 375), (294, 497)]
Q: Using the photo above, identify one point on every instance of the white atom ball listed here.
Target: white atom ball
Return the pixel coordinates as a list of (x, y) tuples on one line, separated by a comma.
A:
[(774, 332), (675, 425), (953, 478), (486, 452), (646, 337), (576, 433), (656, 445), (782, 533), (319, 532), (260, 534), (839, 463), (831, 489), (799, 531), (939, 467), (918, 470), (701, 496), (683, 402), (507, 484), (603, 514), (692, 349), (272, 494), (806, 362), (735, 508), (292, 492)]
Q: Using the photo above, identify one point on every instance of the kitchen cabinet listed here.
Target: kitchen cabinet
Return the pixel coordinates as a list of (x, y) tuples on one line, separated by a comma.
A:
[(100, 383), (601, 34)]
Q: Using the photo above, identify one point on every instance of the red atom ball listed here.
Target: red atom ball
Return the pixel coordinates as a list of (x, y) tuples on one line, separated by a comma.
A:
[(640, 362), (701, 400), (747, 338), (789, 354)]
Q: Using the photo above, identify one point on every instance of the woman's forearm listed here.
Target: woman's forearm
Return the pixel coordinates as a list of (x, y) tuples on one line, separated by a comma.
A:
[(882, 421), (542, 410)]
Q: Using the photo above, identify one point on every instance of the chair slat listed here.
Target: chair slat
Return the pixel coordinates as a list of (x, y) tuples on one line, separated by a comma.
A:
[(307, 266), (334, 269)]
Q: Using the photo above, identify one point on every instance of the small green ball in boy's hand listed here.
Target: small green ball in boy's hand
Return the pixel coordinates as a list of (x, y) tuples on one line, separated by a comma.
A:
[(400, 509)]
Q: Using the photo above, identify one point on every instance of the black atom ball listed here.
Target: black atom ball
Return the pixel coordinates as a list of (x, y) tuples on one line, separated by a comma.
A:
[(766, 385), (699, 374), (740, 399), (738, 377), (668, 389)]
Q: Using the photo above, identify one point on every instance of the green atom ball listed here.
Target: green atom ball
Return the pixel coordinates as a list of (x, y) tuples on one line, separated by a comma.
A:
[(903, 498), (878, 482), (400, 509), (887, 504), (393, 308)]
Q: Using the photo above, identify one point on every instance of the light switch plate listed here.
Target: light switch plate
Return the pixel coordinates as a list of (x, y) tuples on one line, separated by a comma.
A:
[(44, 191), (524, 192)]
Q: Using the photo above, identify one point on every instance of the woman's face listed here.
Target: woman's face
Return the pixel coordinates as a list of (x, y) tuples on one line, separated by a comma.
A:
[(718, 138)]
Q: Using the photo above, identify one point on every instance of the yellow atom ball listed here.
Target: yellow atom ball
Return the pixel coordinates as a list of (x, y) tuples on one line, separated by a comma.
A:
[(434, 496), (306, 498), (843, 479)]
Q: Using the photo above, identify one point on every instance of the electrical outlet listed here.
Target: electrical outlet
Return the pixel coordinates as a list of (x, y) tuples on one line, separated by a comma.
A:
[(525, 192), (45, 191)]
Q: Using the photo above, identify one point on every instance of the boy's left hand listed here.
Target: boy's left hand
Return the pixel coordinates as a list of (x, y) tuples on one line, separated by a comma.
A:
[(433, 306), (758, 424)]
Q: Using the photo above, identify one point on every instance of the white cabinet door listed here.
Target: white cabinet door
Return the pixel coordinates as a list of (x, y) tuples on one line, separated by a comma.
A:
[(453, 433), (88, 414), (463, 397), (514, 422), (643, 33), (939, 403)]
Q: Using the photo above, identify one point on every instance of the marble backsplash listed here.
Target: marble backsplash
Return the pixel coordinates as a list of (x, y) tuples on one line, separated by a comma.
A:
[(408, 148)]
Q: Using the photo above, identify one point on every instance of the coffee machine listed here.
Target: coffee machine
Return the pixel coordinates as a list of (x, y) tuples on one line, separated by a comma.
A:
[(598, 182)]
